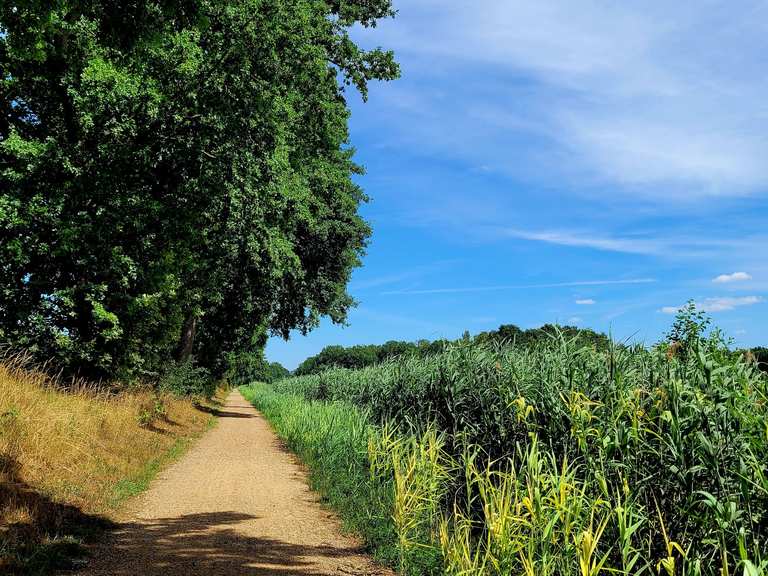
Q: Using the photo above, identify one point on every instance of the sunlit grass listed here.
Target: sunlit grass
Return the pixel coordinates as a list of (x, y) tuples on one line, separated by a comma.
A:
[(69, 457)]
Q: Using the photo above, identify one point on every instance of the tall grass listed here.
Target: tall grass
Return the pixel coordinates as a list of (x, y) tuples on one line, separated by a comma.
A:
[(567, 460), (69, 457)]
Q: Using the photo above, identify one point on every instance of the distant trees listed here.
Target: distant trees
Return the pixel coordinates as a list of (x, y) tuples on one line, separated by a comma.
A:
[(247, 367), (511, 334), (365, 354), (175, 176), (368, 354), (276, 371)]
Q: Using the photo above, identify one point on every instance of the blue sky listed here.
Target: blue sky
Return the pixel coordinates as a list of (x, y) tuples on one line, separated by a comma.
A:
[(590, 163)]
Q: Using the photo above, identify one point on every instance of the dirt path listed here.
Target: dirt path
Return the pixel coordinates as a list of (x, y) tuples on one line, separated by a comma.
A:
[(237, 503)]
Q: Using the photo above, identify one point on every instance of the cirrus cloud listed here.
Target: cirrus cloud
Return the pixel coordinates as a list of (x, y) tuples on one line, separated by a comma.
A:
[(720, 304), (735, 277)]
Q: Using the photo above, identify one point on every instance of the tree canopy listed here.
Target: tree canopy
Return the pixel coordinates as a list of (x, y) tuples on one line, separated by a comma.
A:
[(175, 175), (363, 355)]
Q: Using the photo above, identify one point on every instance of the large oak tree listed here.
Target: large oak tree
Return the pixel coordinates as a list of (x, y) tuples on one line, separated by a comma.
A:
[(175, 175)]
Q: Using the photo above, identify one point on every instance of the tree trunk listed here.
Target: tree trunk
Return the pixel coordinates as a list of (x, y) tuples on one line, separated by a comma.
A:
[(187, 340)]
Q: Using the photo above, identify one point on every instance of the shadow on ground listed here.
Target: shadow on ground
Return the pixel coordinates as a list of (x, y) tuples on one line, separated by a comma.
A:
[(224, 413), (209, 544), (47, 535)]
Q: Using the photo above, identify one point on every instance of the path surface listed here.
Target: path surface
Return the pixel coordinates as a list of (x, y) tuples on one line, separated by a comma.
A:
[(237, 503)]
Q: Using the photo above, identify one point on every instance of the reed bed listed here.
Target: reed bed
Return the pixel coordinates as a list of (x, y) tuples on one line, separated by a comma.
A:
[(564, 459)]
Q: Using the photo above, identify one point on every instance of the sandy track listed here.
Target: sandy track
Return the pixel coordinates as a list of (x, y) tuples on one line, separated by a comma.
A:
[(237, 503)]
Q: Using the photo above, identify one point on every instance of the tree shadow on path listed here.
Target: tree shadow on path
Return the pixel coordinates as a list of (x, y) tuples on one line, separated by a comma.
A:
[(209, 544)]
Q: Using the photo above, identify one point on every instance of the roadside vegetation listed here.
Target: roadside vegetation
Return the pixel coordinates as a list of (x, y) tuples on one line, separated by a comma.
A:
[(69, 457), (560, 458)]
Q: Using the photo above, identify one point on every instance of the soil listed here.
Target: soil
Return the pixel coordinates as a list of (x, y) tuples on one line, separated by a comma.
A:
[(237, 503)]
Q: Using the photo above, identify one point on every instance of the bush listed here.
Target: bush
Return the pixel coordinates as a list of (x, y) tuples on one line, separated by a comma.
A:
[(187, 379)]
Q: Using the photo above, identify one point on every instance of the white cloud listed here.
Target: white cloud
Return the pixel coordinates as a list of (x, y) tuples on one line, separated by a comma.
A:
[(670, 309), (575, 320), (588, 240), (735, 277), (499, 287), (718, 304), (641, 94), (585, 302), (649, 243)]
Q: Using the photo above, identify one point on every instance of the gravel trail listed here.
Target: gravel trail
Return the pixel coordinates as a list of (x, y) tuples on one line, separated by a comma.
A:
[(236, 503)]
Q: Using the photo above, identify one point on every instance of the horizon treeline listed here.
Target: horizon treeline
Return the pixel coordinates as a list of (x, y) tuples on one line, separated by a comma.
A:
[(363, 355), (176, 179)]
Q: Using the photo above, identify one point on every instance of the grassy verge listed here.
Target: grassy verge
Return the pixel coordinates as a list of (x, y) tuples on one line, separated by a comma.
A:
[(333, 440), (69, 459)]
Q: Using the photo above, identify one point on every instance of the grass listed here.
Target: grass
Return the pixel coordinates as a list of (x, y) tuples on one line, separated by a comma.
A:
[(562, 459), (69, 459)]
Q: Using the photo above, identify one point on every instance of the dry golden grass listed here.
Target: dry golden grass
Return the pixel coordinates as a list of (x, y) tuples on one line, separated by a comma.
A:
[(70, 457)]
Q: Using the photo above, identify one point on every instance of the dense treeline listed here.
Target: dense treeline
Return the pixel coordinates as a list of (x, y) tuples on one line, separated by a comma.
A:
[(511, 334), (559, 458), (363, 355), (175, 177)]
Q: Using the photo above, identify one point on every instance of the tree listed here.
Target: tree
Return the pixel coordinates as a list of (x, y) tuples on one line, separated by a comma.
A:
[(175, 175), (276, 371)]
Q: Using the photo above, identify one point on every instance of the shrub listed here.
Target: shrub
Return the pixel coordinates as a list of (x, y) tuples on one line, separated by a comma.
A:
[(187, 379)]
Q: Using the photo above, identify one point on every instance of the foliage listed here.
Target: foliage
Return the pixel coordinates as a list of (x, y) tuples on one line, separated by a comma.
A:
[(248, 367), (760, 355), (245, 367), (511, 334), (364, 355), (664, 456), (186, 378), (175, 176), (275, 372)]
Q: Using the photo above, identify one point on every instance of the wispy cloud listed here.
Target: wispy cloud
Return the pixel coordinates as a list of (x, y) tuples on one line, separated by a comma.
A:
[(635, 94), (410, 274), (722, 304), (649, 243), (400, 320), (587, 240), (500, 287), (735, 277), (585, 302)]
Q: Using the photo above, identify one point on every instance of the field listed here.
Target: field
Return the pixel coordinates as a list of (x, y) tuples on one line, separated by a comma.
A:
[(69, 458), (558, 459)]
